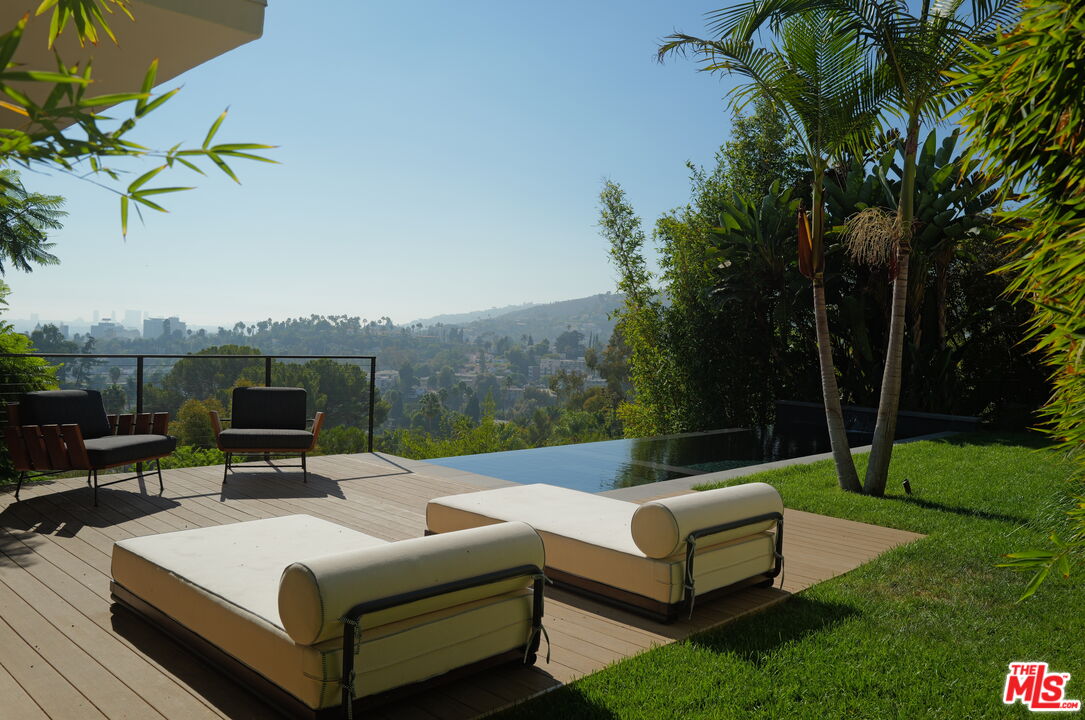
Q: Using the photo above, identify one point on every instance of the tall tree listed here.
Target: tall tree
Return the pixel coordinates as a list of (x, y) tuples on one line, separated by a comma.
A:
[(919, 51), (651, 408), (818, 75)]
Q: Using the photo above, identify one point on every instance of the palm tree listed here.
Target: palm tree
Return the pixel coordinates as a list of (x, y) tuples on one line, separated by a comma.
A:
[(819, 77), (25, 218), (920, 52)]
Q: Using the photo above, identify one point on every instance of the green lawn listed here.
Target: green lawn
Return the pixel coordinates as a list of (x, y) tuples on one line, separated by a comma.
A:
[(924, 631)]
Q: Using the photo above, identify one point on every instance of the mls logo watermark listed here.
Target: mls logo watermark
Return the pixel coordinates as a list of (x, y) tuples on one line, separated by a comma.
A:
[(1037, 689)]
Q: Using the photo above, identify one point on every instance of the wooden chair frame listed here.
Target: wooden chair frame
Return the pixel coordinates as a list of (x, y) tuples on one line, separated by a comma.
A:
[(42, 450), (217, 426)]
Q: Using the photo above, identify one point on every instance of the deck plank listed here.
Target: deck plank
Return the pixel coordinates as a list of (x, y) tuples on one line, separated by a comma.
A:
[(66, 652)]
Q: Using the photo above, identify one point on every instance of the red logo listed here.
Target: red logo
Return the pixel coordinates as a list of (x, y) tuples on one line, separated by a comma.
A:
[(1037, 689)]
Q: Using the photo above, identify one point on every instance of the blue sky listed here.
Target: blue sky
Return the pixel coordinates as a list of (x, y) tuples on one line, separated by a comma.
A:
[(435, 157)]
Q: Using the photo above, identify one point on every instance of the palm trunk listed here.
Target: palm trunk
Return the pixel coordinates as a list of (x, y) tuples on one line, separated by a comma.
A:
[(834, 415), (877, 472), (830, 392)]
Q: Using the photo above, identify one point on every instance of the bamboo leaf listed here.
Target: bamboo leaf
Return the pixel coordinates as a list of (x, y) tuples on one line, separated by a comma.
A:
[(112, 99), (214, 129), (145, 90), (142, 179), (1034, 583), (160, 191), (14, 108)]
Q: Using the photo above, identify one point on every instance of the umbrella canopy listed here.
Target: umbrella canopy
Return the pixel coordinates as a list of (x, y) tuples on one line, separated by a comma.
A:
[(180, 33)]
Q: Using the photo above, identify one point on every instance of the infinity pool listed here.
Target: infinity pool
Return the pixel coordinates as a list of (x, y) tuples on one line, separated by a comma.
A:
[(611, 464)]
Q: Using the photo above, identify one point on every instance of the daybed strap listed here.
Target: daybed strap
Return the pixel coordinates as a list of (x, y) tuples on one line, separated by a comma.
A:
[(535, 632), (348, 682), (688, 585)]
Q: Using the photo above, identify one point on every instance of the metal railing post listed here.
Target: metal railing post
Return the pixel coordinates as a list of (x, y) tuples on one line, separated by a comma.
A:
[(139, 383), (267, 372), (139, 398), (372, 397)]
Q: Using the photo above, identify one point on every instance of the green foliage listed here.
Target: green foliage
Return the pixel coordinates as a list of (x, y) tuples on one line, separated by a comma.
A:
[(115, 399), (192, 423), (819, 77), (961, 353), (466, 438), (816, 75), (19, 374), (651, 373), (88, 16), (47, 138), (209, 377), (1025, 114), (193, 456), (763, 150), (342, 440), (569, 343), (730, 271), (24, 219)]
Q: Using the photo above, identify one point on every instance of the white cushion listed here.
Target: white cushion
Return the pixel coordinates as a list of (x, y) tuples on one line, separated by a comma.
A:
[(315, 593), (660, 528)]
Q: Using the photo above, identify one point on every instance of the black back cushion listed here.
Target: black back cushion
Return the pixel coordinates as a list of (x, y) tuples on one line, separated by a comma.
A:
[(269, 408), (65, 407)]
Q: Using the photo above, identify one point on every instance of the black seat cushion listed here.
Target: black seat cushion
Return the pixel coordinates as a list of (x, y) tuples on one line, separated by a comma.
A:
[(66, 407), (265, 439), (279, 408), (117, 449)]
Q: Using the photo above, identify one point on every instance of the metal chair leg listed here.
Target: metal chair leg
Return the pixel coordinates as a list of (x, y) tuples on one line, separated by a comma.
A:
[(88, 478), (304, 470), (19, 486), (158, 467), (226, 469), (95, 473)]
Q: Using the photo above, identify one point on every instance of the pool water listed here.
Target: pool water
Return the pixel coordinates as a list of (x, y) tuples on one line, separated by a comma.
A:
[(612, 464)]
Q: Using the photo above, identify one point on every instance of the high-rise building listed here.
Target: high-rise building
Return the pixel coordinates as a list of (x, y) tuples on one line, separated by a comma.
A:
[(105, 329), (133, 319), (157, 327)]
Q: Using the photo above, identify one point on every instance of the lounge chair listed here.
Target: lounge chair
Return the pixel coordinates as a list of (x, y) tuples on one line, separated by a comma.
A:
[(653, 558), (52, 431), (314, 617), (267, 420)]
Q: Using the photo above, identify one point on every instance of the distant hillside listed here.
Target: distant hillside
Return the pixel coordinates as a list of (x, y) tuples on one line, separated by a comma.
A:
[(589, 315), (468, 317)]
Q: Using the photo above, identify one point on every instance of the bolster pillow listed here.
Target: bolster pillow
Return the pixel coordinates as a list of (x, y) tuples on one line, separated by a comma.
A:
[(660, 528), (316, 593)]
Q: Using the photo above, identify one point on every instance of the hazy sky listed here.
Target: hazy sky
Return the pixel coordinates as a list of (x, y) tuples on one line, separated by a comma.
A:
[(437, 156)]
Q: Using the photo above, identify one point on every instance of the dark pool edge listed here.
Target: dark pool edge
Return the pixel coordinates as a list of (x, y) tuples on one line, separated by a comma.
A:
[(666, 487)]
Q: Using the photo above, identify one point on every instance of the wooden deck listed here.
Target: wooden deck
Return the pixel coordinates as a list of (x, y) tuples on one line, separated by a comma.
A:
[(65, 654)]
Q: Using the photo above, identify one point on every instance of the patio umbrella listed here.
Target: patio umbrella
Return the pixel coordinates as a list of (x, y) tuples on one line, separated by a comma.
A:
[(180, 33)]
